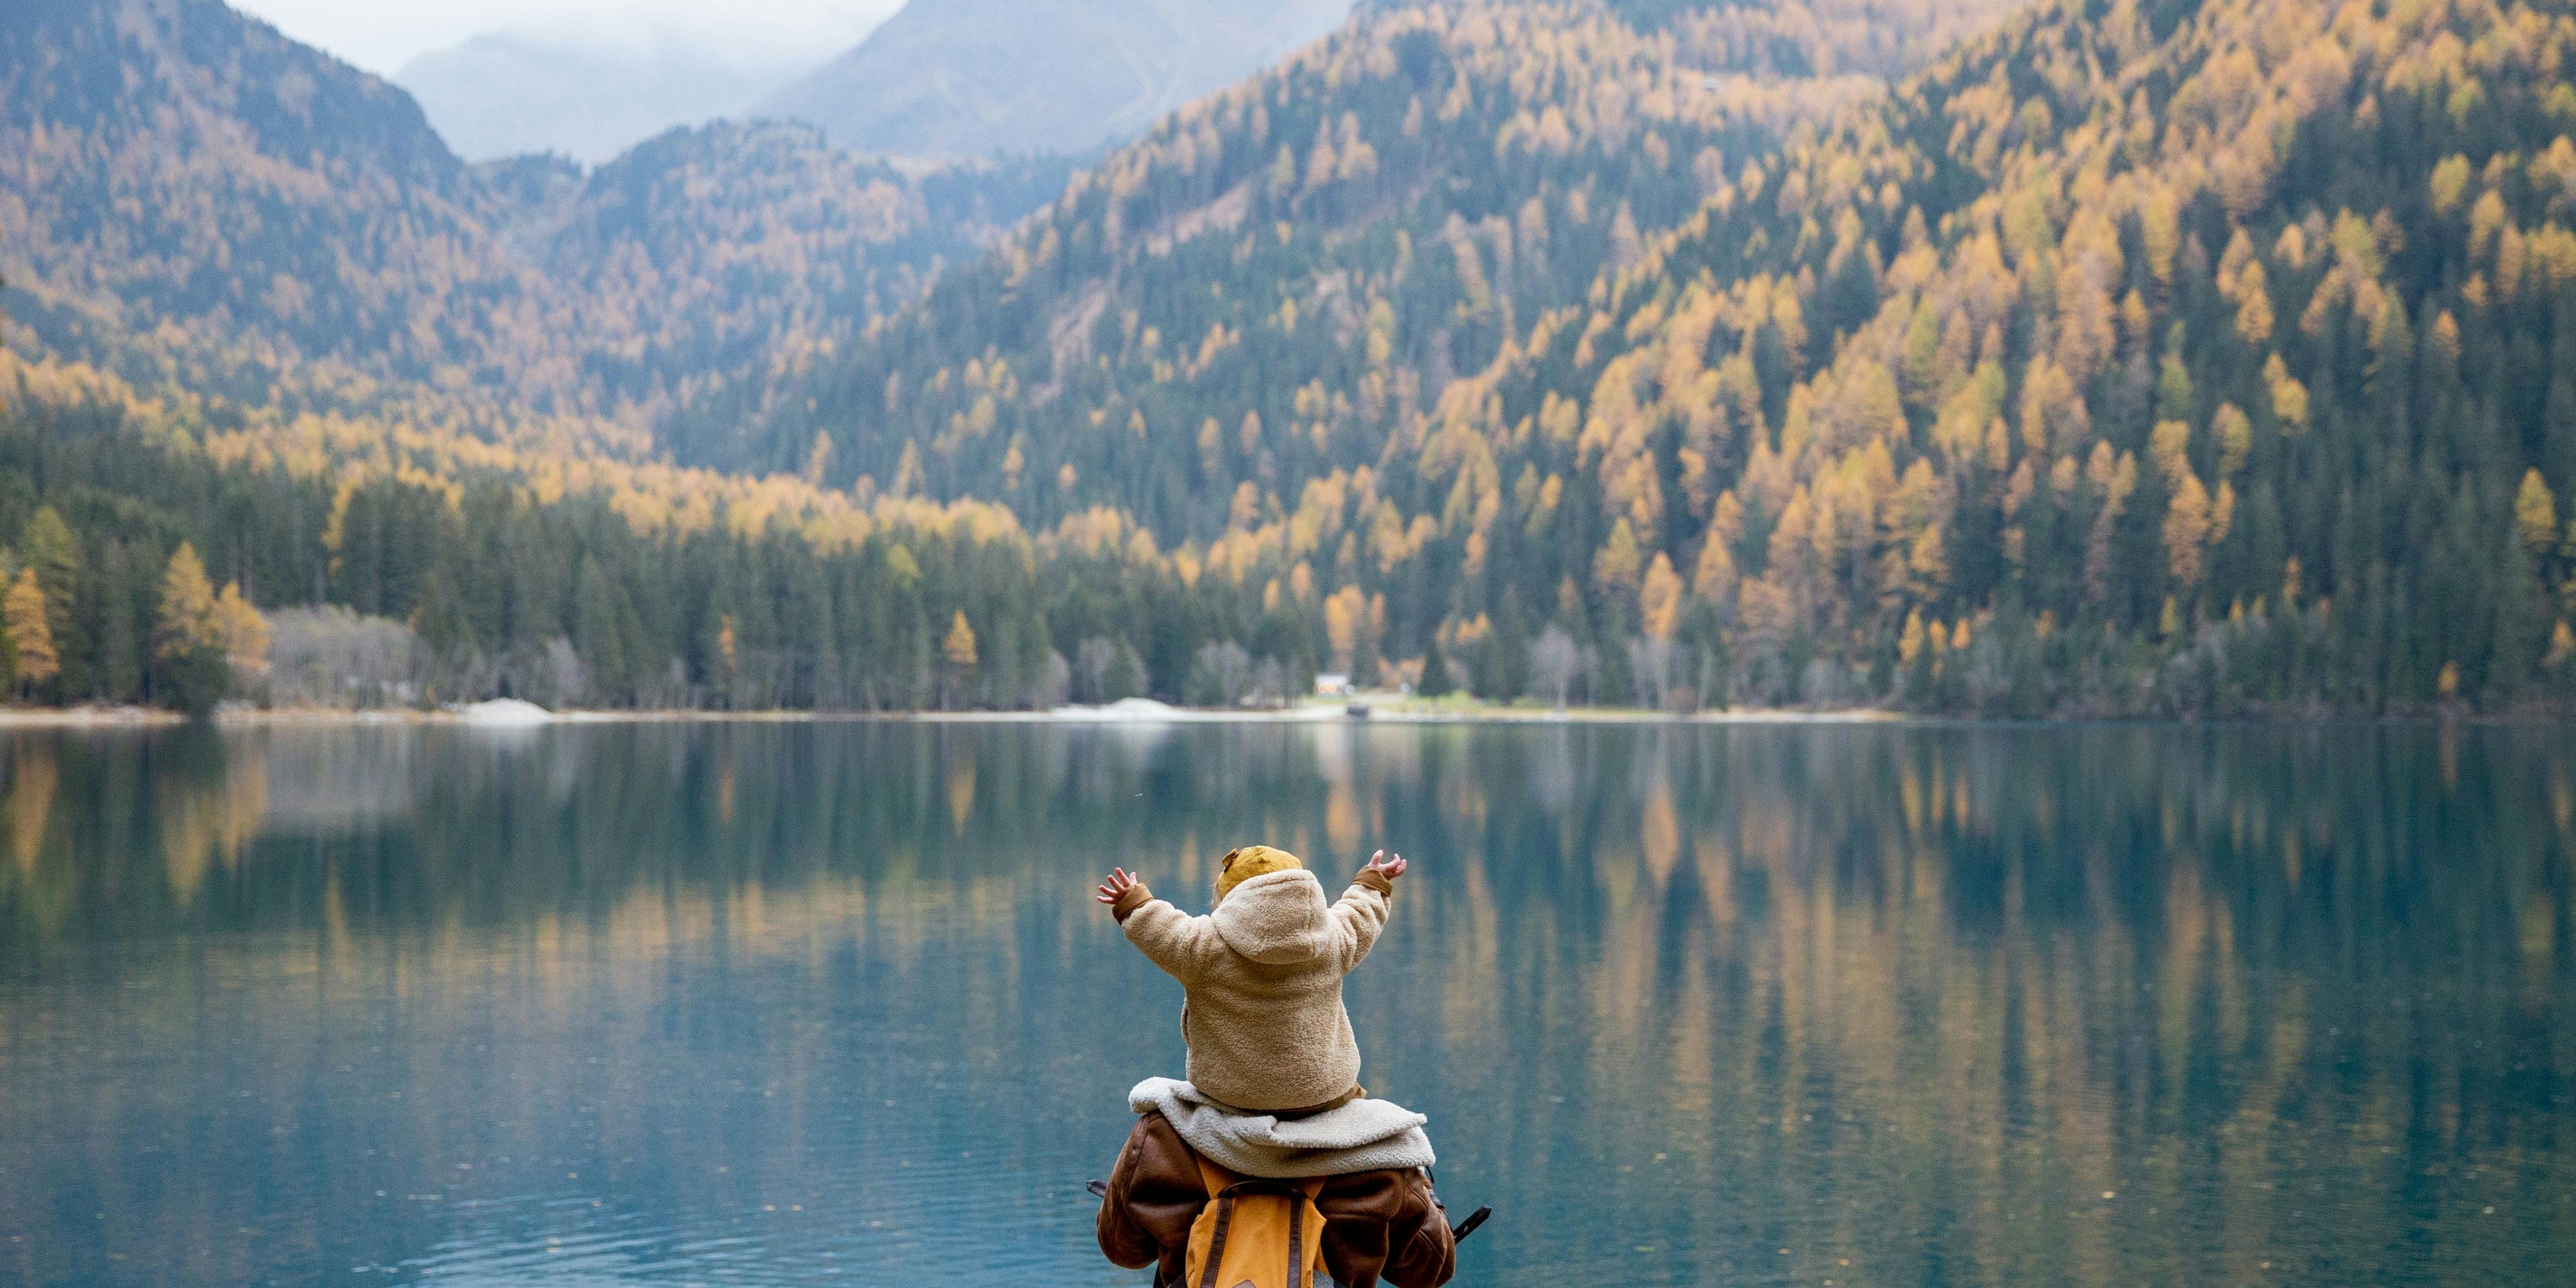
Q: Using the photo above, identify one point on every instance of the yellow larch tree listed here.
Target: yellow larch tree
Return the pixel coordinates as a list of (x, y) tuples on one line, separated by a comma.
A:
[(1659, 599), (186, 621), (2535, 513), (242, 631), (29, 633), (959, 647)]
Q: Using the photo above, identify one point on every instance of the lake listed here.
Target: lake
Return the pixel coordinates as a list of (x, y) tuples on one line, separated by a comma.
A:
[(826, 1002)]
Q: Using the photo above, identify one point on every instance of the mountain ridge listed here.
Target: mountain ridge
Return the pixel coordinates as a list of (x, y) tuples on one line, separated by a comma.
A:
[(1437, 153), (194, 198), (93, 170), (511, 93), (969, 78)]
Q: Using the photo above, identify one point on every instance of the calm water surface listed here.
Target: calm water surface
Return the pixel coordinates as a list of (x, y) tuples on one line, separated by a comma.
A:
[(825, 1003)]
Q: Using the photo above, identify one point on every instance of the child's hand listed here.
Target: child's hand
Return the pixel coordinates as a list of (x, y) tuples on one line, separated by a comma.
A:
[(1121, 881), (1386, 867)]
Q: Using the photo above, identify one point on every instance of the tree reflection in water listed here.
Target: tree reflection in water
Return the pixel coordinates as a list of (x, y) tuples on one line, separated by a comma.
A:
[(772, 1002)]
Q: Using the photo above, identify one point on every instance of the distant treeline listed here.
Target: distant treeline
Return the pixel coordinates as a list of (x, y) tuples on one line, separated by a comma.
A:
[(414, 593), (113, 538)]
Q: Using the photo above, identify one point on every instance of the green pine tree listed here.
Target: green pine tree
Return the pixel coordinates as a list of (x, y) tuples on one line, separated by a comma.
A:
[(1436, 682)]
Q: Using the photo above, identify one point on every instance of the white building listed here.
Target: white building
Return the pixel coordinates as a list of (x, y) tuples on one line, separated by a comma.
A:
[(1332, 684)]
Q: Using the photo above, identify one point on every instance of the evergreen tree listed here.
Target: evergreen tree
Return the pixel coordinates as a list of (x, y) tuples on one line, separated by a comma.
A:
[(1502, 659), (117, 586), (1436, 682), (598, 634)]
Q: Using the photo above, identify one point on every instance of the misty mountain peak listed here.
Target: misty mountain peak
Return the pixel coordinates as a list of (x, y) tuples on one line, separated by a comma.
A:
[(973, 77)]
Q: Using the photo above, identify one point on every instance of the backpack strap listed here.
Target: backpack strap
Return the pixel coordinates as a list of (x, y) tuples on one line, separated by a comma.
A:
[(1305, 1192), (1221, 1186)]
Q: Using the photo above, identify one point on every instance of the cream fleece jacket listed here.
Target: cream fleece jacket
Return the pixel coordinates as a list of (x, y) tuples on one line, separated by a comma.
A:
[(1262, 981)]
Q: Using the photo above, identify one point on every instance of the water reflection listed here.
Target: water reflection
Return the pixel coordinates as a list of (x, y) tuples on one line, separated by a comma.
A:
[(746, 1003)]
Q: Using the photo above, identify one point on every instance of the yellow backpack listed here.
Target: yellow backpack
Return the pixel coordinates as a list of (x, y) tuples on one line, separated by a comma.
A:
[(1256, 1233)]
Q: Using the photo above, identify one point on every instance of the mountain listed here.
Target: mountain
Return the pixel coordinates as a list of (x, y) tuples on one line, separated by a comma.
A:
[(2134, 358), (187, 197), (508, 93), (709, 255), (2178, 357), (971, 78), (187, 189), (1273, 287)]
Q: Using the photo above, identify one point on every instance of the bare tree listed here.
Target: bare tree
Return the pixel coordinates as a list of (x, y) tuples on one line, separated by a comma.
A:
[(1221, 675), (1269, 683), (1654, 663), (1091, 664), (1555, 663), (1050, 689), (332, 657), (560, 674), (1106, 669)]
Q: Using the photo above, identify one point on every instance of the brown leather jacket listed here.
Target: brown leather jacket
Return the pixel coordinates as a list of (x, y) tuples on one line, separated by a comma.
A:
[(1385, 1223)]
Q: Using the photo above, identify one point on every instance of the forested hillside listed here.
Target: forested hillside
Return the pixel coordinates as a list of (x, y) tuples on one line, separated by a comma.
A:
[(2127, 345), (2139, 358), (1276, 282), (186, 189), (2159, 358), (188, 197), (727, 252)]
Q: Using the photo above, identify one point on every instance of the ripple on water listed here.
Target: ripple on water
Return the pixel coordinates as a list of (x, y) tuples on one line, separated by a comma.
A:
[(879, 1222)]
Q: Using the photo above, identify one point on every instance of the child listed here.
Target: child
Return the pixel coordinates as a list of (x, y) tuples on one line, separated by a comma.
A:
[(1262, 976)]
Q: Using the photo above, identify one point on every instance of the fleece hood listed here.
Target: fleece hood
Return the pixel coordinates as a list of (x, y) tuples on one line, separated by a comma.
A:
[(1277, 919)]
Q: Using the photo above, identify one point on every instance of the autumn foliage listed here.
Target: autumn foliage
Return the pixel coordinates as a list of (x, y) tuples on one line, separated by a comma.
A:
[(2092, 358)]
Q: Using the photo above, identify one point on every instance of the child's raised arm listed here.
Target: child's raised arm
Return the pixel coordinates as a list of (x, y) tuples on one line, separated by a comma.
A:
[(1168, 937), (1361, 912)]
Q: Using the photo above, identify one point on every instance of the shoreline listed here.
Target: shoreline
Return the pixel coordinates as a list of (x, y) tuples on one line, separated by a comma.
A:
[(1137, 712), (1394, 711)]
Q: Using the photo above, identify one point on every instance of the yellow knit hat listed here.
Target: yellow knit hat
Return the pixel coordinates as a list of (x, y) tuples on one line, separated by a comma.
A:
[(1249, 862)]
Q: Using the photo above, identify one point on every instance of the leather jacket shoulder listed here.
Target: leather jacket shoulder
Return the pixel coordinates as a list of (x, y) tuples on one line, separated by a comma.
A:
[(1378, 1225)]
